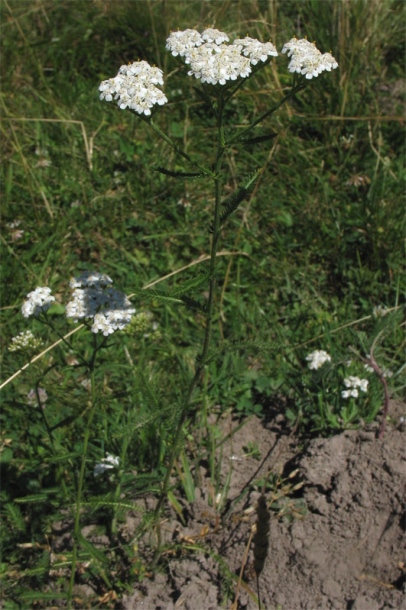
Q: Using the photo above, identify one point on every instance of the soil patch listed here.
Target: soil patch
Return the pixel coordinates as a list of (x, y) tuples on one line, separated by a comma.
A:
[(336, 532)]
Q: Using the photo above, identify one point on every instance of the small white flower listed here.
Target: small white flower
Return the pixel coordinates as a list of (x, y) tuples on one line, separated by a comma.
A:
[(38, 301), (363, 385), (380, 311), (317, 358), (107, 463)]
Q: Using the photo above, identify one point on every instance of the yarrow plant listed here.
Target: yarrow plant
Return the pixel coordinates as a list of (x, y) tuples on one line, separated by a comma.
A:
[(335, 397), (222, 67)]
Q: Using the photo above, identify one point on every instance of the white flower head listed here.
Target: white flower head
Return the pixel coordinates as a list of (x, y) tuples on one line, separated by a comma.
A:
[(134, 87), (353, 384), (107, 463), (38, 301), (212, 60), (317, 358), (24, 341), (306, 59), (94, 297)]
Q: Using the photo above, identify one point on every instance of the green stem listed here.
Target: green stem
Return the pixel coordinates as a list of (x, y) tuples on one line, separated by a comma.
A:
[(201, 361)]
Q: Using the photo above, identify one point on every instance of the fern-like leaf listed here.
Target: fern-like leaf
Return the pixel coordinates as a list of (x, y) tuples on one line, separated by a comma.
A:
[(15, 517), (230, 204), (93, 551), (190, 285), (37, 596)]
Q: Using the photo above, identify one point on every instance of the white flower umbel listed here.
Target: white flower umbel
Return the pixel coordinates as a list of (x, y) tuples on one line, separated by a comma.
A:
[(38, 301), (107, 463), (352, 384), (134, 87), (93, 297), (24, 341), (213, 61), (306, 59), (317, 358)]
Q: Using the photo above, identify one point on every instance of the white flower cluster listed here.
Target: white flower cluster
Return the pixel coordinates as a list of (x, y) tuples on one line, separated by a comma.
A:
[(307, 59), (134, 87), (38, 301), (23, 341), (353, 383), (107, 463), (212, 60), (93, 297), (317, 358)]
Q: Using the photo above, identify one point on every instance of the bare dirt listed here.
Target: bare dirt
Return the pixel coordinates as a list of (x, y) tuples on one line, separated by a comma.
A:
[(336, 531)]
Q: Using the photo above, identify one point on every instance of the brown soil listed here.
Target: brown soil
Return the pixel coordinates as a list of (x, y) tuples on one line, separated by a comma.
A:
[(336, 541)]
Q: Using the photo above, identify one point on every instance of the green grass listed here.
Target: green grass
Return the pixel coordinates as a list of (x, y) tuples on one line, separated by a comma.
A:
[(316, 247)]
